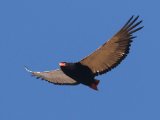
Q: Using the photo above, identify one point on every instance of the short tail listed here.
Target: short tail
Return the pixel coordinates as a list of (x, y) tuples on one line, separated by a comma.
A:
[(94, 84)]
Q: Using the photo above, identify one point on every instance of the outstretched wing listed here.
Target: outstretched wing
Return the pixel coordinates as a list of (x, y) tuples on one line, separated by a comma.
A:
[(111, 53), (56, 77)]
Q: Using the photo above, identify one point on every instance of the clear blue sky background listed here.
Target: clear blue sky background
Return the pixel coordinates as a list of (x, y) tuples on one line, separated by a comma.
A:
[(40, 33)]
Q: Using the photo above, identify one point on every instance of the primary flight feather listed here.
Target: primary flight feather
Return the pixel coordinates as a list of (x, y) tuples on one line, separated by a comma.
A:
[(105, 58)]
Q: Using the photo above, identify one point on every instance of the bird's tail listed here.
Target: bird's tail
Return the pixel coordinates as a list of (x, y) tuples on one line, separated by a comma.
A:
[(95, 84)]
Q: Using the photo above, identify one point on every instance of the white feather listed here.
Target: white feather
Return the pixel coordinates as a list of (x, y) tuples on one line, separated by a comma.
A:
[(27, 69)]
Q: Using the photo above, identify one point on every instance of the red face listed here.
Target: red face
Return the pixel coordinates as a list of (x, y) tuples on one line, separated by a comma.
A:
[(62, 64)]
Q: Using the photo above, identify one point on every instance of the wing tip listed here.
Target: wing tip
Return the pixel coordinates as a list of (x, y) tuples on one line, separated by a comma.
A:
[(27, 69)]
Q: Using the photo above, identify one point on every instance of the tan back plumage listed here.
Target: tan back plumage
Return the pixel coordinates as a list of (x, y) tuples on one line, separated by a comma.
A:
[(111, 53)]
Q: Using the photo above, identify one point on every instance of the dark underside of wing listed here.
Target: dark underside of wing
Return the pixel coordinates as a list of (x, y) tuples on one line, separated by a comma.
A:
[(111, 53)]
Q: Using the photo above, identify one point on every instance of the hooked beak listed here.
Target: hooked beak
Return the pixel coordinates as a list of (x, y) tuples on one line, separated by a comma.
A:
[(62, 64)]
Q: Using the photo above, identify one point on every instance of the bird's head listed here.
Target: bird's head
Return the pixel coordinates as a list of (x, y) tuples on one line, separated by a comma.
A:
[(63, 64), (67, 65)]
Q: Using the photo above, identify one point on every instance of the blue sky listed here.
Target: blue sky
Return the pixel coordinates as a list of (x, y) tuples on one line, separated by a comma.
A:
[(41, 33)]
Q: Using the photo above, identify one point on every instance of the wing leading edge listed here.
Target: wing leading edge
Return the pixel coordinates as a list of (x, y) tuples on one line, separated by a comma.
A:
[(56, 77)]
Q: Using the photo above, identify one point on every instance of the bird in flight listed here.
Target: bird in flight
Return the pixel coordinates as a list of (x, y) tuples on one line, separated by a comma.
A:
[(104, 59)]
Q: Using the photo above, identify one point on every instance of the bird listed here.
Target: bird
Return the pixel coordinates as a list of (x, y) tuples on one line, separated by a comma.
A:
[(101, 61)]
